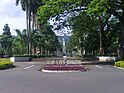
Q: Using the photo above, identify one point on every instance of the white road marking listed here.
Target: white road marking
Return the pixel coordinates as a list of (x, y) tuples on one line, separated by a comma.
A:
[(28, 67), (98, 66)]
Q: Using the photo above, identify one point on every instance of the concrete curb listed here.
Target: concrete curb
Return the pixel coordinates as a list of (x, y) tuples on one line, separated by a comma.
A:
[(119, 67), (49, 71)]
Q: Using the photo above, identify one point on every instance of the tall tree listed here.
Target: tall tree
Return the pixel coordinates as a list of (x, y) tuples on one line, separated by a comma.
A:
[(85, 33), (26, 7), (6, 40), (30, 6), (114, 8), (22, 38)]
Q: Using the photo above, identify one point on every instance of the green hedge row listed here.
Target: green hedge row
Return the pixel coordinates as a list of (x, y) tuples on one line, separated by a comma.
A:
[(119, 64), (6, 65), (32, 56)]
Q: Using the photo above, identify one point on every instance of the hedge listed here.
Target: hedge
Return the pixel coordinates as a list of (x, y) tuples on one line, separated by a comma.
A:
[(119, 64), (32, 56)]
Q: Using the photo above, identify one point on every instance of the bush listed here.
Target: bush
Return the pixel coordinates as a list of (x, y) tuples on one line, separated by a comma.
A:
[(25, 55), (119, 64), (5, 64), (32, 56)]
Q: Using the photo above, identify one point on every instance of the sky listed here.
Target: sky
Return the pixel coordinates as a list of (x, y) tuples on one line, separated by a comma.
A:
[(12, 15)]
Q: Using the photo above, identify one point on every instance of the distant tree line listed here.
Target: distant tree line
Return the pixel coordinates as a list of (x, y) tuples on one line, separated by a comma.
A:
[(43, 42)]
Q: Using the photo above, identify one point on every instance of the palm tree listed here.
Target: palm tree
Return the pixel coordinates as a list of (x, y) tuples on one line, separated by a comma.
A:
[(22, 35), (25, 7), (34, 7), (30, 6)]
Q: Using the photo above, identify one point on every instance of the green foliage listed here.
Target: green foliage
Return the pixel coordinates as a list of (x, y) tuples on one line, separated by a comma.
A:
[(41, 40), (97, 7), (5, 63), (6, 41), (19, 55), (113, 8), (46, 39), (119, 64), (6, 30), (5, 60), (33, 56), (84, 26), (17, 46), (20, 42), (84, 33), (52, 8)]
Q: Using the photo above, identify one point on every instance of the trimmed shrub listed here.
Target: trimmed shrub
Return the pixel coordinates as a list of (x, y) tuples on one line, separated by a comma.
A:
[(32, 56), (4, 60), (5, 64), (119, 64)]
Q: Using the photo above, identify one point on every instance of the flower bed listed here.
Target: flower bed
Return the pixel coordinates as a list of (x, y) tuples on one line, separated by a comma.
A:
[(64, 67)]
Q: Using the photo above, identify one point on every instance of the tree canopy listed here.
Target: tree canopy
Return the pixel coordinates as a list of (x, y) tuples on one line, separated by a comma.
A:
[(86, 18)]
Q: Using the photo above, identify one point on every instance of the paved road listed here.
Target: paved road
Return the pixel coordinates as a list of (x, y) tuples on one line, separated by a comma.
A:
[(26, 78)]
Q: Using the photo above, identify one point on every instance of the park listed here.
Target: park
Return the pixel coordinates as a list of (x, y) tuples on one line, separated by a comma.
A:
[(68, 46)]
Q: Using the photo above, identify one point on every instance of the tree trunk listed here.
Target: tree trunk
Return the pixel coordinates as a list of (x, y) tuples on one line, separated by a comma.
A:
[(100, 32), (41, 50), (122, 39), (29, 34), (27, 22), (33, 22)]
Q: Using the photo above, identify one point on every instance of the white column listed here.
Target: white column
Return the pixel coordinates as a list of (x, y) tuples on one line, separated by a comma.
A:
[(64, 46)]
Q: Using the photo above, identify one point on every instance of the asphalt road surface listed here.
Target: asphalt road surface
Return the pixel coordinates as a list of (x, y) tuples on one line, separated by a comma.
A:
[(26, 78)]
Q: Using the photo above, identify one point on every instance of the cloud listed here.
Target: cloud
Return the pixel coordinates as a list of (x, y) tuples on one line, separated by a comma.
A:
[(12, 15)]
